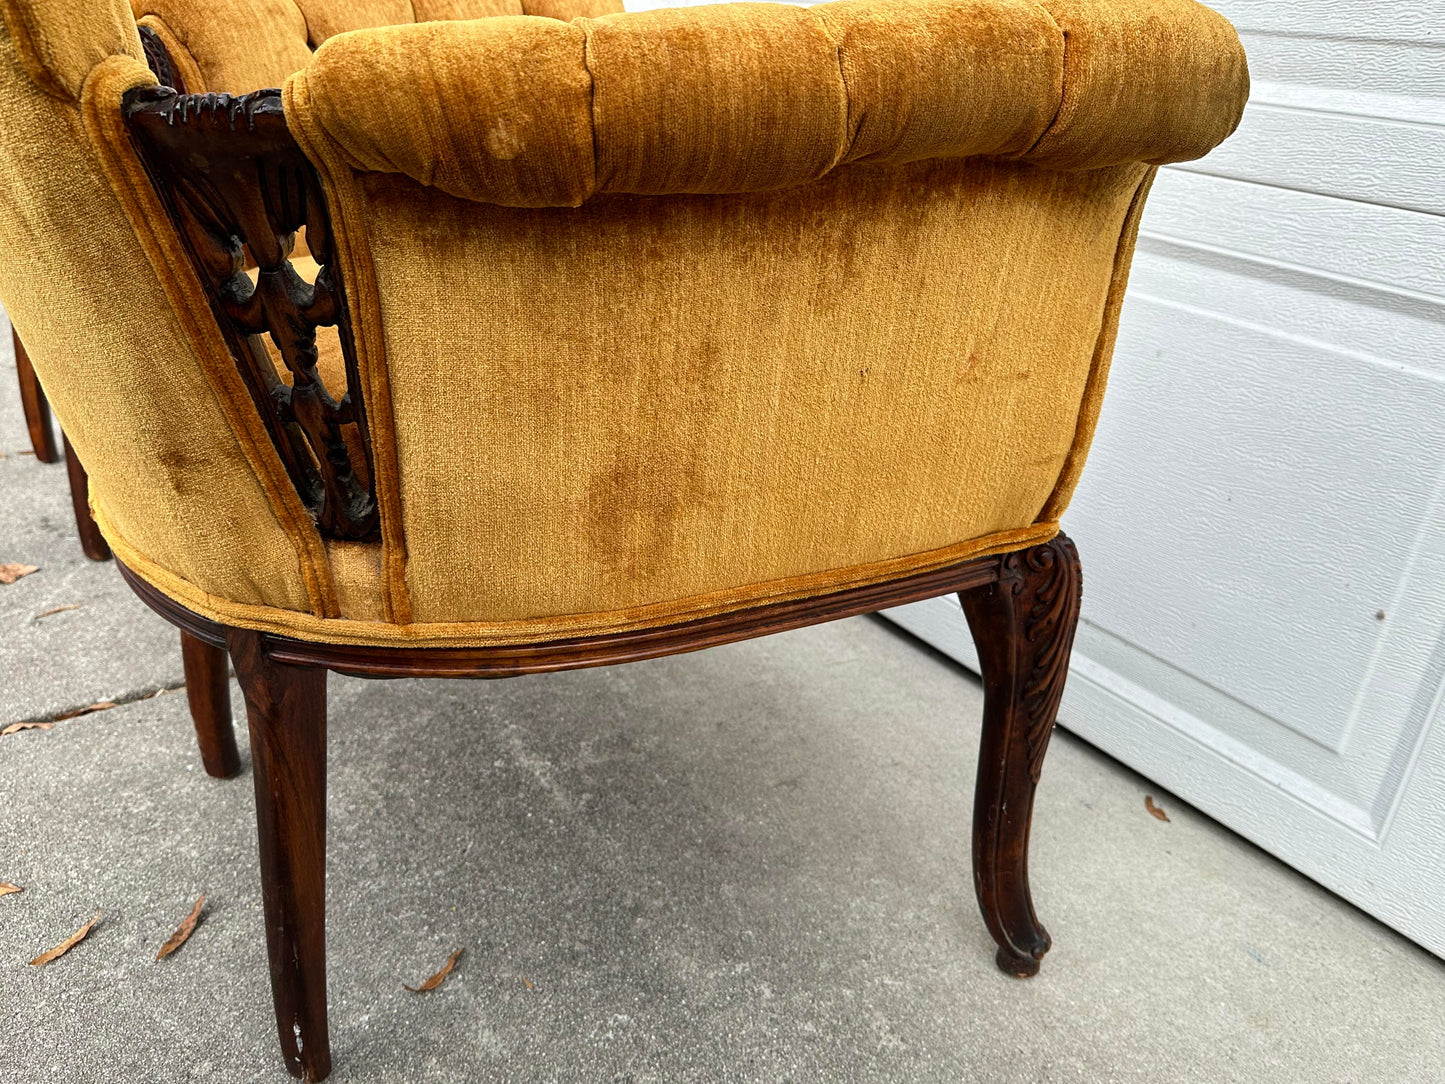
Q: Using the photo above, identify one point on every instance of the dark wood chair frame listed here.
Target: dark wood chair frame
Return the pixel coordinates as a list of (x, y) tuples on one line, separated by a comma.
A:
[(233, 182), (1022, 608)]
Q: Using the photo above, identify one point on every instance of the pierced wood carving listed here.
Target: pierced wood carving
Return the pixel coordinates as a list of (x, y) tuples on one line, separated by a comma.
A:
[(234, 182)]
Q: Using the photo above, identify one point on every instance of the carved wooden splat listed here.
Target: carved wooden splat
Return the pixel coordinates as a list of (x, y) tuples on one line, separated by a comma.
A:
[(234, 182)]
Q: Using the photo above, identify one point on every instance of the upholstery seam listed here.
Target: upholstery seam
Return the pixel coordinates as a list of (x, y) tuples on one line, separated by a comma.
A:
[(310, 34), (1063, 81), (313, 139), (591, 100), (849, 137), (1130, 226), (849, 131), (531, 630)]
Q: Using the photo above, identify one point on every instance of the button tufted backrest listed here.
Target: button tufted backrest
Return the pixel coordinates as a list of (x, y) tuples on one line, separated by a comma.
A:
[(238, 46)]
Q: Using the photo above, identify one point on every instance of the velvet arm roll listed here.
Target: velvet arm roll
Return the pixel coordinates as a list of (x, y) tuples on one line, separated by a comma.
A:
[(757, 97)]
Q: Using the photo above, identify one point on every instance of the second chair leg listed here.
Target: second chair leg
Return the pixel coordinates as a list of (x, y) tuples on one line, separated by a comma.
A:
[(1023, 626), (208, 688), (35, 405), (92, 542), (286, 707)]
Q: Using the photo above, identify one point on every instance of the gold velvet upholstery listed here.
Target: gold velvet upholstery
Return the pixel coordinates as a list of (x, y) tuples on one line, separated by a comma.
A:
[(657, 315), (236, 46)]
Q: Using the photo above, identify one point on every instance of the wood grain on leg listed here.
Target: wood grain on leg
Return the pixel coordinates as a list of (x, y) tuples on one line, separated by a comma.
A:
[(208, 688), (35, 405), (286, 706), (1023, 626), (92, 542)]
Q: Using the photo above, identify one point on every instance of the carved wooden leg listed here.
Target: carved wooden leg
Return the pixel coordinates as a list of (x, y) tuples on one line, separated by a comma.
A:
[(92, 542), (1023, 626), (286, 706), (208, 688), (35, 405)]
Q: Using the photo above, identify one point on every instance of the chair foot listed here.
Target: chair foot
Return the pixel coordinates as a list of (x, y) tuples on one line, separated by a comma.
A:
[(286, 707), (92, 542), (208, 688), (35, 406), (1023, 626), (1021, 967)]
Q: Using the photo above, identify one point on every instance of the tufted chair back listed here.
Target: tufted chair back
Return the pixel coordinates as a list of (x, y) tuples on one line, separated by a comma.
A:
[(237, 46)]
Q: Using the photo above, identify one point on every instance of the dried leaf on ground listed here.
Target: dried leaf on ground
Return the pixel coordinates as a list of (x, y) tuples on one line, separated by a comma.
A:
[(75, 713), (183, 931), (10, 573), (65, 946), (1154, 810), (436, 980), (16, 728), (57, 610), (6, 888)]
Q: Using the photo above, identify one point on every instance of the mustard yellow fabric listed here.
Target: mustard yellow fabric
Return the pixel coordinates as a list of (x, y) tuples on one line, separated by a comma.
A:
[(1145, 80), (364, 630), (117, 359), (235, 46), (657, 315), (569, 9), (678, 93), (772, 385), (980, 78), (752, 97), (542, 157), (327, 18), (58, 42)]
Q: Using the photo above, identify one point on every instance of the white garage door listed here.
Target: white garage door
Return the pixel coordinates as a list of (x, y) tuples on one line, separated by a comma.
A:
[(1262, 523)]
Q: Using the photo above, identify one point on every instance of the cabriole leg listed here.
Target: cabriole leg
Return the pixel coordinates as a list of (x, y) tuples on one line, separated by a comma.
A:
[(1023, 626), (286, 707), (208, 689)]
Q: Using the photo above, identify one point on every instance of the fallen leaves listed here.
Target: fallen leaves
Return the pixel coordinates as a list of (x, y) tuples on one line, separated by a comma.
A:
[(1154, 810), (436, 980), (65, 946), (57, 610), (76, 713), (183, 931), (12, 572), (6, 888), (16, 728)]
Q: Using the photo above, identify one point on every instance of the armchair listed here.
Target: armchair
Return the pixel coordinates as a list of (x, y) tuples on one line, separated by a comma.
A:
[(613, 338)]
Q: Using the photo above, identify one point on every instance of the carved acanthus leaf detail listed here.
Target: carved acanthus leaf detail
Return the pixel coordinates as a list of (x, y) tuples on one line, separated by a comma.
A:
[(1051, 617)]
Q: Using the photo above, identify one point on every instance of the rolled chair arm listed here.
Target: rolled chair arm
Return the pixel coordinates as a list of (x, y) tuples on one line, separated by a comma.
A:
[(531, 112)]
